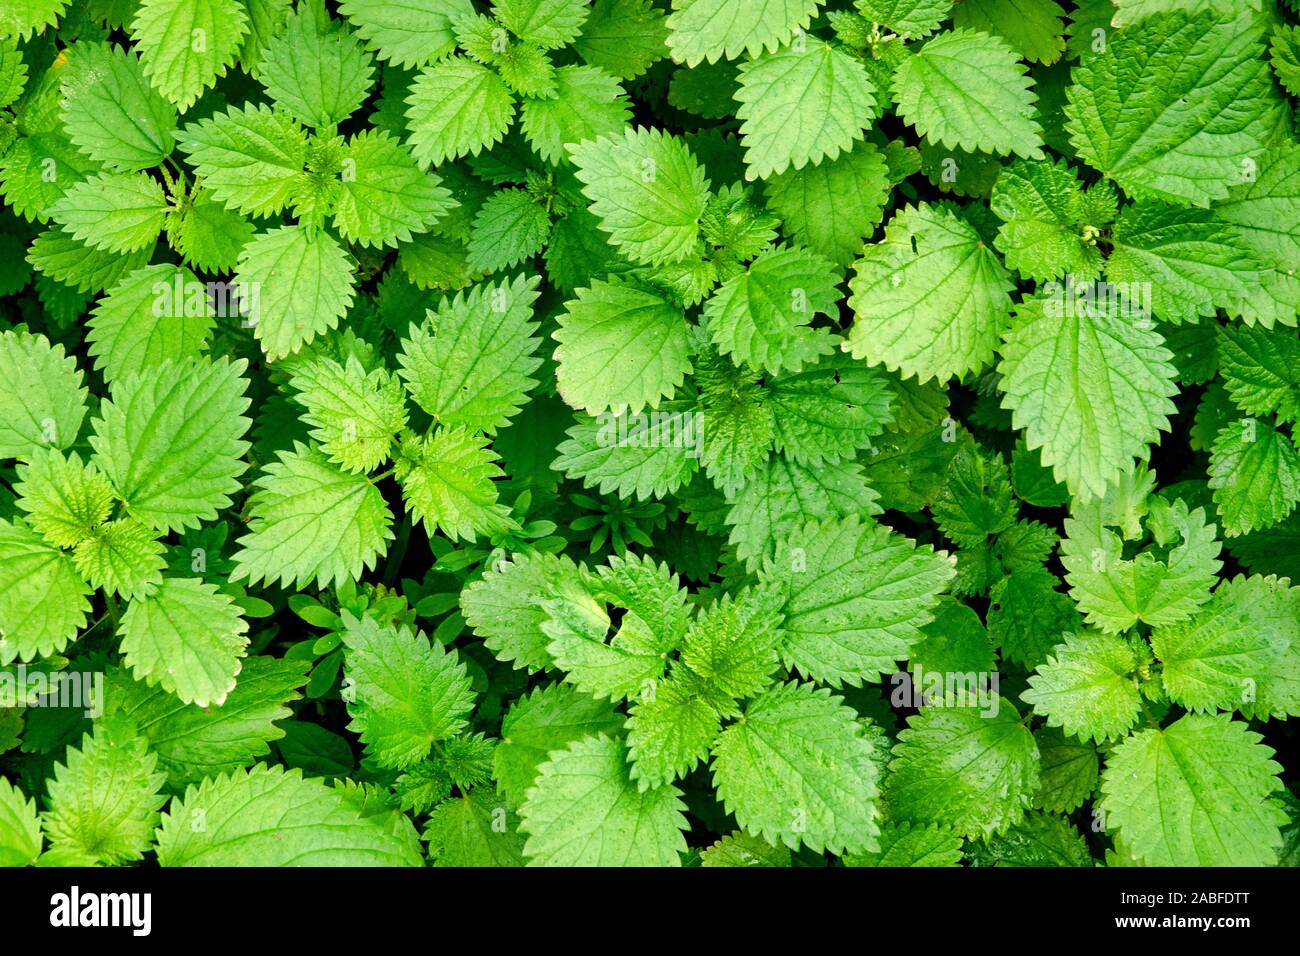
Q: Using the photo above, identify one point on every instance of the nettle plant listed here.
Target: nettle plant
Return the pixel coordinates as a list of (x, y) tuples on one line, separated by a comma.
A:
[(722, 432)]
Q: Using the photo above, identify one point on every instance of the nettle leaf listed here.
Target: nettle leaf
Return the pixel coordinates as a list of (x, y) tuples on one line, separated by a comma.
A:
[(21, 20), (355, 415), (548, 23), (505, 606), (413, 34), (20, 827), (856, 595), (43, 599), (547, 720), (647, 456), (1196, 793), (186, 637), (623, 37), (121, 556), (799, 770), (186, 45), (930, 299), (588, 103), (42, 399), (111, 113), (742, 849), (193, 742), (761, 316), (711, 29), (209, 236), (1174, 106), (474, 829), (974, 770), (1044, 233), (1115, 592), (907, 18), (448, 482), (1255, 473), (385, 197), (1261, 369), (56, 255), (1091, 387), (319, 77), (404, 694), (268, 817), (968, 90), (1088, 687), (302, 284), (1234, 650), (1033, 27), (65, 499), (116, 212), (902, 844), (669, 732), (311, 521), (509, 228), (171, 440), (829, 411), (151, 315), (833, 205), (620, 346), (457, 108), (801, 105), (584, 810), (250, 158), (104, 798)]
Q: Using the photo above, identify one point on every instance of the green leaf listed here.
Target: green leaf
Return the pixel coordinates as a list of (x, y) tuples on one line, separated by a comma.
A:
[(1115, 592), (412, 34), (648, 192), (104, 799), (907, 18), (1196, 793), (801, 105), (1039, 840), (647, 456), (968, 90), (311, 522), (193, 742), (588, 103), (1045, 213), (931, 299), (186, 45), (546, 720), (902, 844), (121, 556), (620, 346), (548, 23), (1261, 369), (65, 500), (623, 37), (710, 29), (355, 415), (509, 228), (506, 606), (761, 316), (456, 108), (1174, 106), (962, 767), (474, 829), (151, 315), (833, 205), (1032, 27), (116, 212), (1028, 616), (1069, 771), (733, 646), (171, 440), (30, 16), (43, 600), (829, 411), (669, 731), (741, 849), (250, 158), (404, 695), (856, 596), (1091, 388), (209, 236), (1194, 263), (471, 363), (268, 817), (798, 769), (448, 482), (320, 77), (385, 198), (111, 112), (20, 827), (58, 256), (303, 285), (1087, 687), (584, 810), (42, 399), (1234, 650), (1255, 474)]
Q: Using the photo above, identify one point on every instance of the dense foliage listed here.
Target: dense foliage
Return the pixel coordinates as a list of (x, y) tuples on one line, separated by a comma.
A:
[(723, 432)]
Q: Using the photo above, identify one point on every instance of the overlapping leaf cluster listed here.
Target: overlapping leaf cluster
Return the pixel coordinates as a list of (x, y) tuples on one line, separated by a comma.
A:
[(549, 432)]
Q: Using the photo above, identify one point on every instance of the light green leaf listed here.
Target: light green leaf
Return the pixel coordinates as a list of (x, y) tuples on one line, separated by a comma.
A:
[(1088, 687), (474, 829), (42, 399), (186, 45), (506, 606), (412, 33), (65, 500), (623, 37), (320, 77), (448, 482), (908, 18), (548, 23), (251, 158), (153, 314), (669, 731), (902, 844), (43, 600), (210, 236), (20, 827), (354, 415), (111, 112), (116, 212), (387, 197), (647, 456), (1034, 28), (121, 556), (456, 108), (710, 29), (588, 103), (1255, 473)]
